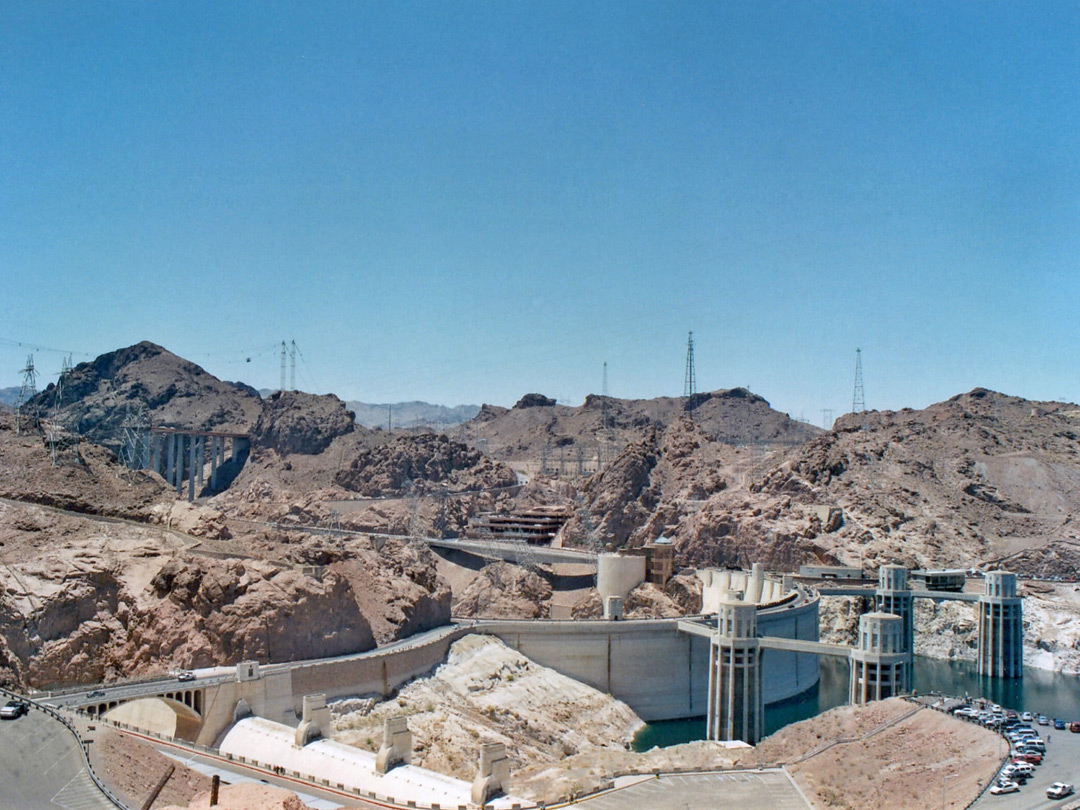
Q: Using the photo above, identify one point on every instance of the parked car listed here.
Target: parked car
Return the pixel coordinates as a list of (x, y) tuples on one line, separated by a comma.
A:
[(1027, 716), (1034, 757), (1043, 720), (1059, 790), (1074, 727), (1004, 786), (13, 710), (1059, 724)]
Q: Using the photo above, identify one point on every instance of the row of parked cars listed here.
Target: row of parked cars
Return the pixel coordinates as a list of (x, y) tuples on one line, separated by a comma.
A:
[(1026, 746)]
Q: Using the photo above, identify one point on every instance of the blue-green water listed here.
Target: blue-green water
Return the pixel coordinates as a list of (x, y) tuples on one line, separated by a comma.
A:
[(1039, 691)]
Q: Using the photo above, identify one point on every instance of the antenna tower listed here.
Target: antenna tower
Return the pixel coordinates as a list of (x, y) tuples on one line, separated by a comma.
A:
[(690, 383), (858, 401)]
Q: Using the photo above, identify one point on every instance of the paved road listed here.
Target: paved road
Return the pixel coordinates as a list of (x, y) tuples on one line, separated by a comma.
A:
[(734, 790), (41, 767)]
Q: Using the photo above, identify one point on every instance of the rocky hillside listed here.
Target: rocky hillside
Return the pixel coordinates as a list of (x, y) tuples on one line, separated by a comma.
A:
[(537, 426), (145, 382), (982, 479)]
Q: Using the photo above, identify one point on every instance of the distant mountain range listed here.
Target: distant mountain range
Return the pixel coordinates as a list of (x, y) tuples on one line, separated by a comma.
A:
[(403, 414), (411, 414)]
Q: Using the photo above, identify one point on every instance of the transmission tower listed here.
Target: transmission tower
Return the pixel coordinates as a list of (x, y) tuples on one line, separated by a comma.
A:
[(605, 414), (292, 366), (826, 418), (284, 349), (27, 391), (858, 401), (65, 372), (690, 383)]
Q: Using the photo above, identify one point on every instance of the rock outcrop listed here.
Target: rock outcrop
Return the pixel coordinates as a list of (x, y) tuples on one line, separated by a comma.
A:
[(295, 422), (414, 463), (489, 693), (505, 591)]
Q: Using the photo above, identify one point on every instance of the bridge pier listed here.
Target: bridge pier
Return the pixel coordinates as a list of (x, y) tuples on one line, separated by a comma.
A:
[(1001, 627), (893, 596), (880, 666), (735, 708)]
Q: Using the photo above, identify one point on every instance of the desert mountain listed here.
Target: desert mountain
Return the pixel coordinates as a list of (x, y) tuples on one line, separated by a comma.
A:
[(146, 383), (537, 427), (980, 478)]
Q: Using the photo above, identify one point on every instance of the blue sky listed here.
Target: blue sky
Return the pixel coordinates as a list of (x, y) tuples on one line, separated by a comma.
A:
[(465, 202)]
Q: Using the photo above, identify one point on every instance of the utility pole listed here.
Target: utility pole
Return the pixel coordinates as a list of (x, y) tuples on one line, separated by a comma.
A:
[(858, 401), (690, 381)]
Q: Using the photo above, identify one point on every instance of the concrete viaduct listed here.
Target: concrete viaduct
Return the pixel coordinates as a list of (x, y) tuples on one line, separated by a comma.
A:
[(181, 457)]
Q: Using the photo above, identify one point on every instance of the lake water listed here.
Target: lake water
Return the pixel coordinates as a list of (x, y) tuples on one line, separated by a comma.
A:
[(1039, 691)]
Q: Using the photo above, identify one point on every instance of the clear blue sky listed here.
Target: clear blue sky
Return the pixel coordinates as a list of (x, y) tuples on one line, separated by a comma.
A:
[(468, 201)]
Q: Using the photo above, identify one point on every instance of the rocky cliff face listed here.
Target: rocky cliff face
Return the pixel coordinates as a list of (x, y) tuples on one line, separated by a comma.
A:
[(117, 601), (412, 462), (294, 422), (505, 591)]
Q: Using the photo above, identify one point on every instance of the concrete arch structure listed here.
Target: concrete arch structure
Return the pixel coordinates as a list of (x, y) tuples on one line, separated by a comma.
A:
[(164, 716)]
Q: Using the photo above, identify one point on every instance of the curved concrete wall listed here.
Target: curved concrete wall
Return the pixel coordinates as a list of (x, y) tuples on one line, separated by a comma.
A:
[(659, 672), (618, 574)]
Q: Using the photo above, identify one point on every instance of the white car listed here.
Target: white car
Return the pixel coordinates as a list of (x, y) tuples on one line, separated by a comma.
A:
[(1004, 786), (1059, 790)]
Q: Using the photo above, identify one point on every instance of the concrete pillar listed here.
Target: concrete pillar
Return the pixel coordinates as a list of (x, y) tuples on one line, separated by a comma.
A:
[(314, 721), (179, 439), (170, 454), (735, 709), (613, 608), (200, 457), (396, 748), (1001, 627), (493, 774), (756, 583), (880, 667), (154, 453), (192, 444), (215, 450), (892, 596)]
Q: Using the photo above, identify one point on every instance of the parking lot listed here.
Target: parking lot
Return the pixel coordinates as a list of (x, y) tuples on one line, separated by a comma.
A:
[(1060, 764)]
